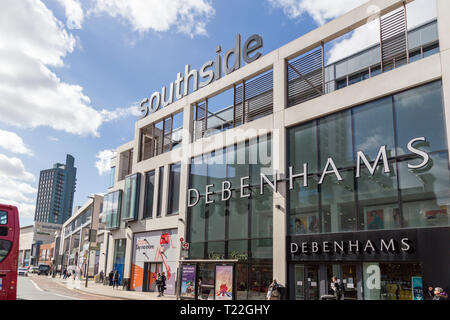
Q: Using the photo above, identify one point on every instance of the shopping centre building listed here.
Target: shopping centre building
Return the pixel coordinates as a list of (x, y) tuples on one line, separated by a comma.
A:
[(283, 167)]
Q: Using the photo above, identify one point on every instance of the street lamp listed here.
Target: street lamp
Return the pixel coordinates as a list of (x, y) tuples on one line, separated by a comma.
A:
[(89, 242)]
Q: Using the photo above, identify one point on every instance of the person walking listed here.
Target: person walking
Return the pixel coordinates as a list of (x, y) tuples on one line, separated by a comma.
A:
[(273, 290), (116, 279), (163, 283), (101, 276), (437, 293), (336, 287), (111, 278)]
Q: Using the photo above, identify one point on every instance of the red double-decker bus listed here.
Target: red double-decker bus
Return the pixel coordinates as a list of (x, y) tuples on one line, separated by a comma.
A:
[(9, 251)]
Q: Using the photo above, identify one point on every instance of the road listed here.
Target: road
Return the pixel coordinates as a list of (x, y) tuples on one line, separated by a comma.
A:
[(36, 287)]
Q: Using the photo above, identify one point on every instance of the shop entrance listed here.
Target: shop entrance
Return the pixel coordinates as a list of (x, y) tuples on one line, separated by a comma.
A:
[(151, 270), (360, 281), (314, 280)]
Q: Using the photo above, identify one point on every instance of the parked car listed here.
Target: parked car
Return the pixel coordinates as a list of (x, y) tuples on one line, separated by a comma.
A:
[(22, 271), (44, 269), (33, 269)]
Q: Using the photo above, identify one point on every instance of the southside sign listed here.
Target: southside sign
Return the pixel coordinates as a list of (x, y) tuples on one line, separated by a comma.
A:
[(330, 168), (209, 72)]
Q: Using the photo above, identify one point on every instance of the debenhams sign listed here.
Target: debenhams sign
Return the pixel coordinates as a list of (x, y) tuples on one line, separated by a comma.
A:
[(330, 169), (209, 72)]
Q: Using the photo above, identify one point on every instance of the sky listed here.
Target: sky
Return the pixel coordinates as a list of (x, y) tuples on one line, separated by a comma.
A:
[(73, 72)]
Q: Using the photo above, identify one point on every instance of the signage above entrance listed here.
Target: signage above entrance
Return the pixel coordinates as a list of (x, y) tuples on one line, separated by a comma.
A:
[(209, 72)]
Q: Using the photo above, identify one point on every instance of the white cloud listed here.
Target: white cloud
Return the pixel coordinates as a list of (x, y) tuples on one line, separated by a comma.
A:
[(103, 164), (188, 16), (14, 168), (120, 113), (31, 40), (320, 11), (10, 141), (15, 188), (74, 13), (54, 139)]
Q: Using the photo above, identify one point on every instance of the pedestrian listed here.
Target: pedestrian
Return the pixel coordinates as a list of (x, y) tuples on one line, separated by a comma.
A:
[(336, 287), (273, 290), (110, 278), (101, 276), (437, 293), (116, 278), (74, 274), (162, 284)]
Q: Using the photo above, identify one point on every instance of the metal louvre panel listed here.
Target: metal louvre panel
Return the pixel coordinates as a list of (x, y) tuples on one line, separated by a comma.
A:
[(261, 106), (238, 111), (305, 77), (200, 120), (394, 41), (259, 85)]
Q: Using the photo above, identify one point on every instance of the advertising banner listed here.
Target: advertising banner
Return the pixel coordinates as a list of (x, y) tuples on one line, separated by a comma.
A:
[(155, 251), (188, 278), (224, 282), (417, 288)]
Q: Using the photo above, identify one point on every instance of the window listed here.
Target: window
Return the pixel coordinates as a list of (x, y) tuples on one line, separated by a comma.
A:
[(131, 197), (126, 163), (161, 137), (174, 188), (3, 217), (5, 246), (149, 194), (112, 176), (222, 225), (113, 204), (160, 191)]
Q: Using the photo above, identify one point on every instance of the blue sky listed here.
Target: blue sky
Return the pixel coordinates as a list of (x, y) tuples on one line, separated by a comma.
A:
[(74, 71)]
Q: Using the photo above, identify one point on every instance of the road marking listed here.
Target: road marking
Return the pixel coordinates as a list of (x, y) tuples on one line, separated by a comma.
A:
[(36, 286), (50, 292)]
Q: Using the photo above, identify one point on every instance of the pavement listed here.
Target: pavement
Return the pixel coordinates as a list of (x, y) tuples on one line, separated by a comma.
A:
[(99, 289)]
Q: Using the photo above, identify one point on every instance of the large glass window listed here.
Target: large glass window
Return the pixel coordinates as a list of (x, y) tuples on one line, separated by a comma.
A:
[(160, 191), (112, 209), (174, 188), (112, 176), (236, 219), (149, 194), (131, 197), (370, 195)]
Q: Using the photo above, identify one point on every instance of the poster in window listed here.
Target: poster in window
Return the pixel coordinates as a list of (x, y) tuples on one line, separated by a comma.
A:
[(417, 288), (436, 217), (300, 224), (188, 276), (375, 220), (224, 282)]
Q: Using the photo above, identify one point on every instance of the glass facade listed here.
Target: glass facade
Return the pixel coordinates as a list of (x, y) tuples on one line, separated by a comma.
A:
[(238, 228), (404, 197), (149, 194), (112, 204), (131, 197), (174, 188)]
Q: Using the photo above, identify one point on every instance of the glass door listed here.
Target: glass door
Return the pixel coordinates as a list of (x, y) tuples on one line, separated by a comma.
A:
[(306, 282), (350, 282), (312, 282), (299, 282)]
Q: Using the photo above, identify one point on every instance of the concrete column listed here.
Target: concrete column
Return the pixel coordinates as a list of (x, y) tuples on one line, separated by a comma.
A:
[(279, 165), (443, 12), (128, 254)]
